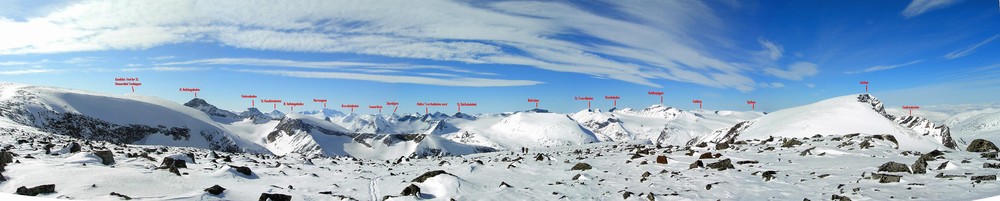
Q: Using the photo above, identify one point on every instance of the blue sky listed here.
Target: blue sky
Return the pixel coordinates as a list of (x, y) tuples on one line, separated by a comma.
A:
[(500, 53)]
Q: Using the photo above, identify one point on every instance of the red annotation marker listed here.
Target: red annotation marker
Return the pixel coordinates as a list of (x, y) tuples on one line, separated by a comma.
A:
[(275, 101), (613, 98), (426, 105), (251, 98), (657, 93), (379, 107), (911, 108), (698, 102), (753, 104), (531, 100), (320, 101), (293, 104), (195, 90), (866, 85), (588, 99), (128, 81), (395, 104), (460, 104), (352, 106)]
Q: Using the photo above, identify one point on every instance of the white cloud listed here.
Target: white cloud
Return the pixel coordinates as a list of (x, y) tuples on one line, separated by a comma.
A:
[(161, 58), (810, 85), (164, 69), (796, 71), (918, 7), (885, 67), (660, 40), (22, 63), (461, 81), (970, 49), (771, 85), (27, 71), (772, 50)]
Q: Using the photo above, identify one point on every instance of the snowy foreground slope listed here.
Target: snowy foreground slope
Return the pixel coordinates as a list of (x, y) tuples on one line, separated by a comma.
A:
[(815, 168), (840, 148)]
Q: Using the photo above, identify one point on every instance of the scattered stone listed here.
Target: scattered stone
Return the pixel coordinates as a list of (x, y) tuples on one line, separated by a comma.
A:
[(991, 165), (981, 145), (893, 167), (701, 145), (411, 190), (191, 156), (171, 162), (274, 197), (984, 178), (768, 175), (33, 191), (581, 166), (746, 162), (576, 177), (943, 165), (840, 198), (989, 155), (539, 157), (504, 184), (790, 143), (705, 156), (696, 164), (807, 151), (886, 178), (73, 147), (721, 146), (122, 196), (661, 159), (428, 175), (722, 165), (242, 169), (708, 187), (107, 158), (626, 195), (215, 190)]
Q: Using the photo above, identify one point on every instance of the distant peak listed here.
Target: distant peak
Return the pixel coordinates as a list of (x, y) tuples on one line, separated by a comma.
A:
[(196, 102)]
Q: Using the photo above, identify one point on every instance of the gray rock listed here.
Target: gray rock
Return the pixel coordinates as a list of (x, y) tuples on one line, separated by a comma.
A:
[(107, 158), (893, 167), (215, 190), (274, 197), (981, 145), (33, 191), (581, 166), (722, 165)]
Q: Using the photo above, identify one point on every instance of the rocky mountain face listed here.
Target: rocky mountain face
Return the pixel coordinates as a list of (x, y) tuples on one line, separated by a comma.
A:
[(48, 110)]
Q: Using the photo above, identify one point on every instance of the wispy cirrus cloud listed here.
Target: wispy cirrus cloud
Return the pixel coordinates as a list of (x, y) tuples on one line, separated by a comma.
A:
[(884, 67), (970, 49), (27, 71), (918, 7), (795, 71), (165, 69), (452, 81), (636, 42)]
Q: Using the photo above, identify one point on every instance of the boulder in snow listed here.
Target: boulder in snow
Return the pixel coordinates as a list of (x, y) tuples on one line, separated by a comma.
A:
[(981, 145), (33, 191)]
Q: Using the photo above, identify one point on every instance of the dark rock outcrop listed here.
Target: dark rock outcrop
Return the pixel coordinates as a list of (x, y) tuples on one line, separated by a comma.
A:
[(242, 169), (107, 158), (981, 145), (33, 191), (581, 166), (274, 197), (722, 165), (893, 167), (215, 190)]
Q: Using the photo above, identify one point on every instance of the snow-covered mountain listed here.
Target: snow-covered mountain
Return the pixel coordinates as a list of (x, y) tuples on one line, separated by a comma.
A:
[(980, 124), (323, 113), (130, 118), (522, 129), (657, 123), (838, 116), (307, 135), (211, 110)]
